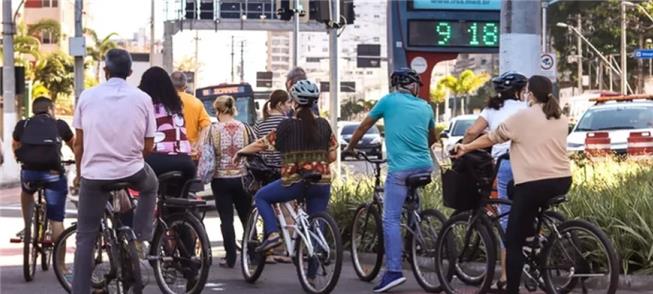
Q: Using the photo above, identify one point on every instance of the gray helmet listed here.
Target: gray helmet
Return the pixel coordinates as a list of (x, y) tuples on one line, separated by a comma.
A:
[(305, 93)]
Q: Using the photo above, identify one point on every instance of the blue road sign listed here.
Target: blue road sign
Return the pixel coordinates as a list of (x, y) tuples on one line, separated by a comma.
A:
[(643, 53)]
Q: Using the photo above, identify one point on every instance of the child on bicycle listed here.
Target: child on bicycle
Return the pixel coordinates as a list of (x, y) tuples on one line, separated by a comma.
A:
[(307, 144), (37, 145)]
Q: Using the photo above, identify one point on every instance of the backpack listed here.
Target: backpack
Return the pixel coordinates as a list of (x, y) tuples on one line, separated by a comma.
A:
[(40, 144), (468, 181)]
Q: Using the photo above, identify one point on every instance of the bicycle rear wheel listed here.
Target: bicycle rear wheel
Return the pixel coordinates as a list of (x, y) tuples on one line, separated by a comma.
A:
[(581, 257), (470, 249), (367, 242), (319, 273), (422, 249), (183, 252), (252, 263), (131, 275), (30, 246), (45, 244)]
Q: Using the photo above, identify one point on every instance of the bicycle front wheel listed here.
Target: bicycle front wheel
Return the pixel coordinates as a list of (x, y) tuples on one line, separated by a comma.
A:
[(465, 248), (183, 255), (367, 242), (319, 270), (45, 245), (422, 249), (252, 263), (582, 256)]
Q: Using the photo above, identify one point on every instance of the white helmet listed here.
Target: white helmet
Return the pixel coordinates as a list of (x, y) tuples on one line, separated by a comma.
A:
[(305, 92)]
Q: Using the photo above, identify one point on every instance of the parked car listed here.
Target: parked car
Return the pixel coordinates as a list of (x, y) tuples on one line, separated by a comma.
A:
[(371, 143), (618, 118), (456, 130)]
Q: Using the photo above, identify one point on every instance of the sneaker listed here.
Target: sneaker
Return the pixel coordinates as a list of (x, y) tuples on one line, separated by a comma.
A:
[(273, 240), (142, 249), (389, 281)]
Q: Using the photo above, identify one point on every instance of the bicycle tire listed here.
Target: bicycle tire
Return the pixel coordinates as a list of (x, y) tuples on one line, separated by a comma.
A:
[(302, 274), (415, 248), (446, 250), (30, 252), (601, 236), (135, 278), (205, 255), (359, 269), (250, 241), (46, 251)]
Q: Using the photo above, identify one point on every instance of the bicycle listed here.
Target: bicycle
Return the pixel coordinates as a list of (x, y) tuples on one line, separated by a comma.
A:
[(472, 231), (116, 244), (420, 230), (180, 253), (314, 244), (38, 227)]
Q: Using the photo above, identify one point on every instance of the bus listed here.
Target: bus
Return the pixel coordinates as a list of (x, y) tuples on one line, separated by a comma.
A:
[(243, 94)]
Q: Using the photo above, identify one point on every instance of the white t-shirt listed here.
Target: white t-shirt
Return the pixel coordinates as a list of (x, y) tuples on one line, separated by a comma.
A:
[(495, 117), (115, 118)]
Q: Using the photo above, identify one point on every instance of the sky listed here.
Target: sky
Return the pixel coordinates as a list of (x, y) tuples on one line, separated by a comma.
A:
[(126, 17)]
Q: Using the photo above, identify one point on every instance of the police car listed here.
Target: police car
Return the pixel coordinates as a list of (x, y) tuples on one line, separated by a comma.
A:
[(618, 117)]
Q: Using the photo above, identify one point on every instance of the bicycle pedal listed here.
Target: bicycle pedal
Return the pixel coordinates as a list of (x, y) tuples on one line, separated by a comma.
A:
[(16, 240), (47, 243)]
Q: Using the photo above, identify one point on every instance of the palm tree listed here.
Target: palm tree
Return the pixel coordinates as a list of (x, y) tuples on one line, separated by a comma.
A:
[(27, 50), (464, 85), (99, 48)]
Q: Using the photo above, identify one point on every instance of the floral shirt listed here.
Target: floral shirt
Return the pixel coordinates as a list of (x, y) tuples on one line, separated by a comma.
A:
[(228, 138)]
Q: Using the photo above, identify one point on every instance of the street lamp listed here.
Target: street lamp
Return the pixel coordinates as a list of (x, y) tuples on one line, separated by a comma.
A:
[(624, 76), (573, 29), (640, 7)]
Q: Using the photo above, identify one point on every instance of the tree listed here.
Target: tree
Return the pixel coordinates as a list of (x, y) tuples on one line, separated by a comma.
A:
[(56, 74), (27, 50), (464, 85), (46, 26), (100, 48)]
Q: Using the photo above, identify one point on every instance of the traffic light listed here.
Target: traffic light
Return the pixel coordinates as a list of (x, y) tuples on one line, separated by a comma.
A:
[(230, 9), (284, 10), (320, 10), (206, 9), (191, 9)]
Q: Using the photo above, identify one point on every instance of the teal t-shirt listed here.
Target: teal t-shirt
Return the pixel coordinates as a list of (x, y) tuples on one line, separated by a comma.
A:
[(407, 121)]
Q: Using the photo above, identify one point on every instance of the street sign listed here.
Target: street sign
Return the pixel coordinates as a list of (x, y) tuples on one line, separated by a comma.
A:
[(368, 55), (345, 87), (644, 53), (548, 65), (264, 79), (419, 64)]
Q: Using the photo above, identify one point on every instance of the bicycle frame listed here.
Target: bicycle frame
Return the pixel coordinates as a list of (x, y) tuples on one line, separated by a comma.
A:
[(300, 228)]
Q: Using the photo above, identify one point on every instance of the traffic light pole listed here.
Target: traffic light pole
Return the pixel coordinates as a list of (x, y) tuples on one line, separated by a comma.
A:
[(10, 167), (334, 81), (295, 33)]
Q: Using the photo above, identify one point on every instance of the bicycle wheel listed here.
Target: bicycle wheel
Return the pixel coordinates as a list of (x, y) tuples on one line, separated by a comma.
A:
[(183, 255), (319, 272), (470, 248), (30, 246), (367, 242), (581, 256), (422, 249), (252, 263), (45, 244), (131, 277)]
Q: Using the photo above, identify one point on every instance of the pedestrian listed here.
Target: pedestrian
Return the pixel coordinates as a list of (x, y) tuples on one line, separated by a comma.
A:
[(195, 115), (510, 88), (229, 135), (115, 127)]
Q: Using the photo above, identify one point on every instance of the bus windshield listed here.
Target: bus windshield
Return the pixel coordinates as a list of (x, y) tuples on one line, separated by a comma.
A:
[(243, 94)]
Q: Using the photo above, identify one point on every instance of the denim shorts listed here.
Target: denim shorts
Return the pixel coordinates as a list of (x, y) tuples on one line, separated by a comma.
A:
[(56, 189)]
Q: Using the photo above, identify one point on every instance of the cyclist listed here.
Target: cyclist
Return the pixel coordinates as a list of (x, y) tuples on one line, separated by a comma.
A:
[(410, 131), (115, 128), (41, 161), (307, 144), (508, 101), (538, 152)]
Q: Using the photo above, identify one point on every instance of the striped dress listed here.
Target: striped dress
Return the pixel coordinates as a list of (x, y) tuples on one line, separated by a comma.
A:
[(262, 128)]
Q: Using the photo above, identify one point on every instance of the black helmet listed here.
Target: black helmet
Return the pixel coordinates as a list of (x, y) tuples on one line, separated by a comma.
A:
[(509, 81), (404, 76)]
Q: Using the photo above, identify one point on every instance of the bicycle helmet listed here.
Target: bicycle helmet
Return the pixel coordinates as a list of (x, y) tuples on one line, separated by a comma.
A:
[(509, 81), (404, 76), (305, 93)]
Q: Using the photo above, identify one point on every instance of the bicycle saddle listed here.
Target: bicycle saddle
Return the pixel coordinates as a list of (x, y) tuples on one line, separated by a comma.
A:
[(311, 177), (556, 200), (173, 175), (418, 180), (117, 186)]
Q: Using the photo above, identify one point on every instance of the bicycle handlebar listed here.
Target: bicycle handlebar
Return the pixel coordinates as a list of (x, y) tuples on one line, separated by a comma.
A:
[(68, 162), (360, 154)]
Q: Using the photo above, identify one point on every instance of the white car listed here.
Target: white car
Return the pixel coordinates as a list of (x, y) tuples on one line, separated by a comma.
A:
[(456, 130), (618, 119)]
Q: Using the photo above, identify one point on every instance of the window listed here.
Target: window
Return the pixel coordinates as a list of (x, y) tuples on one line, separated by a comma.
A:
[(376, 39), (325, 49), (46, 38), (377, 16), (49, 3), (357, 26), (312, 59), (369, 73)]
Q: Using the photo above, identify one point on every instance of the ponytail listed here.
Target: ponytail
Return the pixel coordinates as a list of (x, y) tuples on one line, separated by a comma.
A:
[(551, 107), (541, 87), (309, 123), (266, 110)]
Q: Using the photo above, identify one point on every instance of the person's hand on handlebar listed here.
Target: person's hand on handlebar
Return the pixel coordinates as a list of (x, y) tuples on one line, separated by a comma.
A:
[(459, 150)]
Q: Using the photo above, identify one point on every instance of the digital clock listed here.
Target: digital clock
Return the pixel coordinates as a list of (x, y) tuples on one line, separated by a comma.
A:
[(456, 4), (459, 33)]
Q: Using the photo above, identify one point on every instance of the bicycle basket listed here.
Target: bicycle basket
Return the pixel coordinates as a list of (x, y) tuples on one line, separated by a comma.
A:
[(258, 174), (468, 181)]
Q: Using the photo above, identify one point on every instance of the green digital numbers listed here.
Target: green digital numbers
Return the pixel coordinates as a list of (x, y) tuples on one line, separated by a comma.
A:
[(491, 34), (473, 34), (443, 30)]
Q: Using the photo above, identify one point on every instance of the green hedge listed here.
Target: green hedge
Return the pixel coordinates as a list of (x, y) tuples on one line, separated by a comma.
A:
[(615, 194)]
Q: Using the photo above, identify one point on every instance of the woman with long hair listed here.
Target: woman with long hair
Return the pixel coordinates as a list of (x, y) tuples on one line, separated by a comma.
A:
[(538, 153), (275, 110), (171, 146)]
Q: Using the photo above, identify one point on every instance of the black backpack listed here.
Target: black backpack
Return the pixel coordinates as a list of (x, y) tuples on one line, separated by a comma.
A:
[(468, 181), (40, 144)]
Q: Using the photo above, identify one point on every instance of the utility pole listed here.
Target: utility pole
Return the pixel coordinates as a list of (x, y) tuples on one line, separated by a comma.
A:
[(79, 59), (10, 168), (233, 77), (545, 5), (295, 35), (334, 82), (197, 61), (624, 66), (520, 44), (579, 55), (152, 33), (242, 61)]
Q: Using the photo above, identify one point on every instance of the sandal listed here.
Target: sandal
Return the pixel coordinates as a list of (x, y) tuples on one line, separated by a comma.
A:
[(498, 287)]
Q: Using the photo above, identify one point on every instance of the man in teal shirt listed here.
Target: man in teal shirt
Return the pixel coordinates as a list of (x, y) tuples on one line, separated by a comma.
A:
[(409, 133)]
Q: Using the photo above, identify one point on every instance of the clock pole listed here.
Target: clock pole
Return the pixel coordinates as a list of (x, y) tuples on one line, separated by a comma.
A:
[(520, 47)]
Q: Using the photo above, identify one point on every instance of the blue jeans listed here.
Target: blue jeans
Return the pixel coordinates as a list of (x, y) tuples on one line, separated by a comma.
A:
[(504, 177), (393, 203), (317, 199), (56, 189)]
